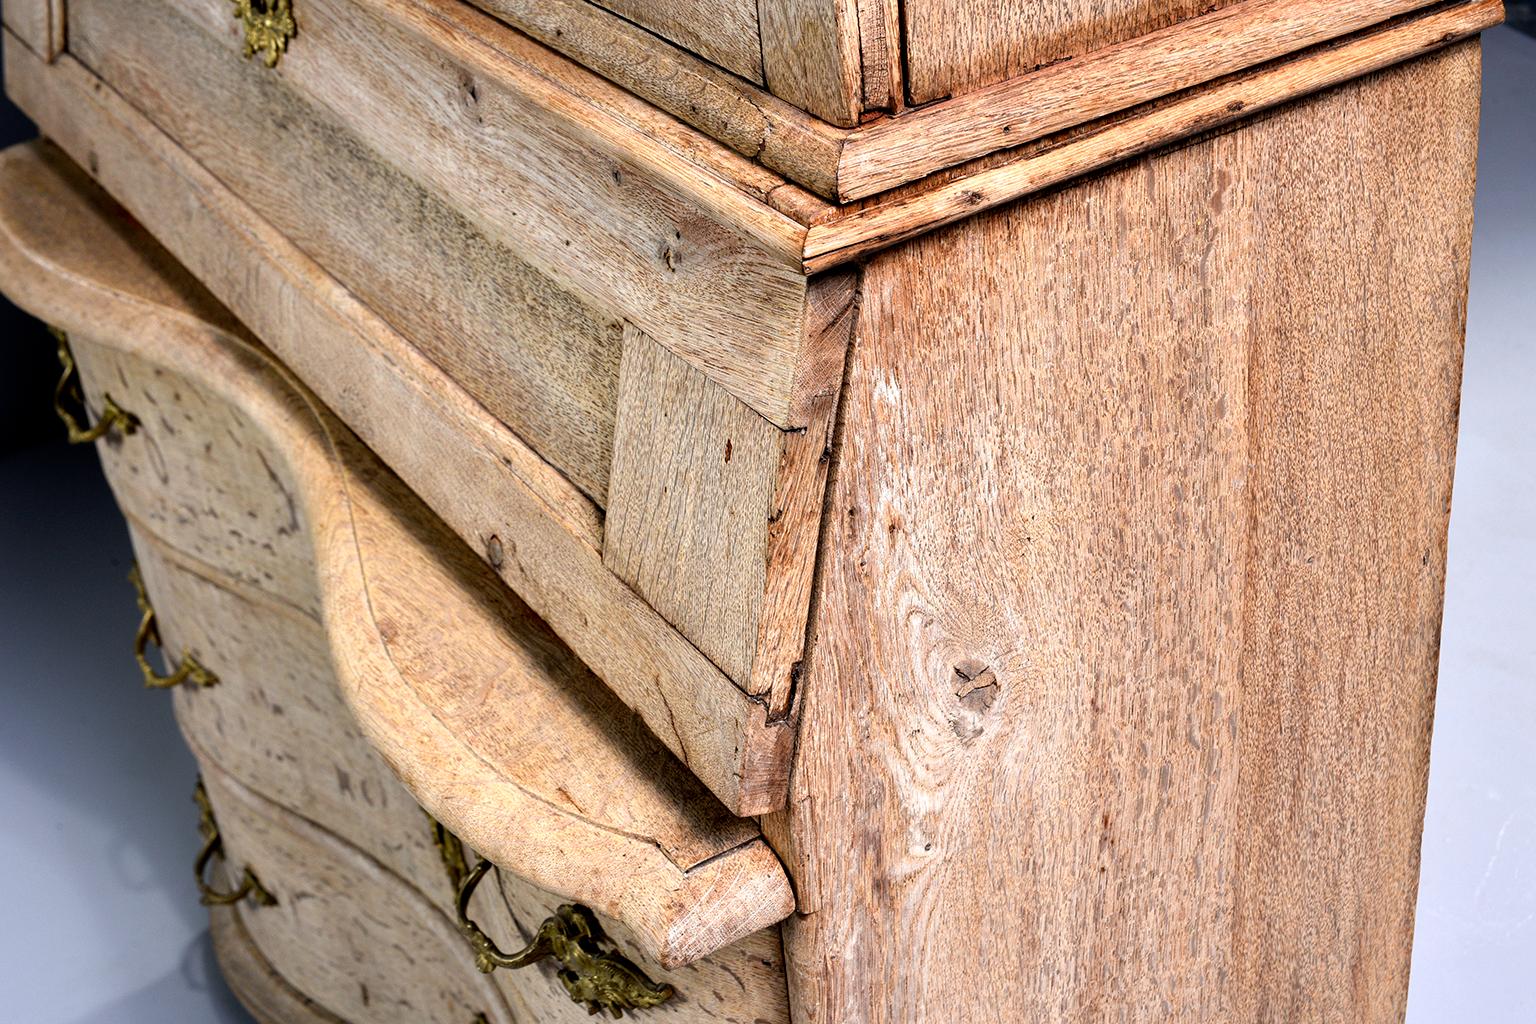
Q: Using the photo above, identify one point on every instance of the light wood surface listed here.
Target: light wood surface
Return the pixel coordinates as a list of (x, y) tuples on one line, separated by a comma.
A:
[(492, 724), (345, 931), (1129, 680), (534, 166), (1238, 36), (541, 359), (722, 31), (953, 46), (747, 119), (811, 56), (38, 23), (859, 229), (481, 479), (714, 513), (269, 997)]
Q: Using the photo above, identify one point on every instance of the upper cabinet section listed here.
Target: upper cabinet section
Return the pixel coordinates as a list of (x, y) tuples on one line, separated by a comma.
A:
[(954, 46), (854, 98)]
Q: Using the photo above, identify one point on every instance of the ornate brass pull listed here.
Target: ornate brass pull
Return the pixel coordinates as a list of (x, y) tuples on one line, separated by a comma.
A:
[(268, 26), (68, 387), (190, 671), (213, 846), (596, 979)]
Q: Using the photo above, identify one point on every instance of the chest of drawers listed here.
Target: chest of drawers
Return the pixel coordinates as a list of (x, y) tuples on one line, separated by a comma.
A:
[(886, 513)]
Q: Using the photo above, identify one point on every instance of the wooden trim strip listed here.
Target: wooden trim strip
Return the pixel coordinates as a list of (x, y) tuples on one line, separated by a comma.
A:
[(857, 231), (372, 377), (900, 149)]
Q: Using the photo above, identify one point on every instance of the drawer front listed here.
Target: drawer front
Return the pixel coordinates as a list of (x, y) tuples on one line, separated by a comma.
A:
[(200, 475), (276, 725), (352, 936), (558, 382), (276, 721)]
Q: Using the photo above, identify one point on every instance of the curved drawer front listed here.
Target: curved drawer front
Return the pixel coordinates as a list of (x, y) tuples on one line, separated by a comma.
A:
[(345, 931), (198, 474), (276, 721), (361, 633), (615, 390)]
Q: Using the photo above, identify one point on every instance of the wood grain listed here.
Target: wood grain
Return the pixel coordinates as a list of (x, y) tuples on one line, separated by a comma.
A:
[(38, 23), (714, 513), (345, 931), (269, 997), (555, 171), (722, 31), (539, 358), (491, 722), (955, 46), (483, 481), (861, 228), (1120, 696), (748, 119), (1249, 32), (811, 56)]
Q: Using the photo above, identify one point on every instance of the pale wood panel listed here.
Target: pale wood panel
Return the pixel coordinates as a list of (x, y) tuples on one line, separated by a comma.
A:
[(481, 479), (439, 663), (276, 721), (880, 55), (1131, 676), (861, 228), (954, 46), (583, 188), (750, 120), (1350, 490), (38, 23), (724, 31), (811, 56), (265, 993), (540, 359), (715, 513), (896, 150), (346, 932), (692, 495), (199, 473)]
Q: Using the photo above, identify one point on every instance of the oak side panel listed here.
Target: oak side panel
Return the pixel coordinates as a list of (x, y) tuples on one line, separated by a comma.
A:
[(957, 45), (1124, 652), (535, 355)]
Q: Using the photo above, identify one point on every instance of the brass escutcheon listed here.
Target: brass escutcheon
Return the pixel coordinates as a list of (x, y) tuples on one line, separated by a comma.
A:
[(269, 25), (68, 387), (213, 846), (190, 671)]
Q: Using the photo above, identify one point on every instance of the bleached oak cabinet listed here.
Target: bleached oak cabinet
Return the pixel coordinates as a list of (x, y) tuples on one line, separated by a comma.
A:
[(794, 510)]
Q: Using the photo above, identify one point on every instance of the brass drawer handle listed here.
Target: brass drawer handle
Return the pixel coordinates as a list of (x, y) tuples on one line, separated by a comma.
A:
[(268, 26), (213, 846), (594, 978), (190, 671), (68, 387)]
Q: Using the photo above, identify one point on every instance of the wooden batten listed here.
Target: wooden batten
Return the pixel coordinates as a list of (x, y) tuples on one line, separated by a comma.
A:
[(495, 726)]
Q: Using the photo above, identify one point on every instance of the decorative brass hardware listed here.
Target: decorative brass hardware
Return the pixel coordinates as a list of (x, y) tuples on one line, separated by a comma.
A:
[(213, 846), (68, 387), (190, 671), (594, 978), (268, 25)]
